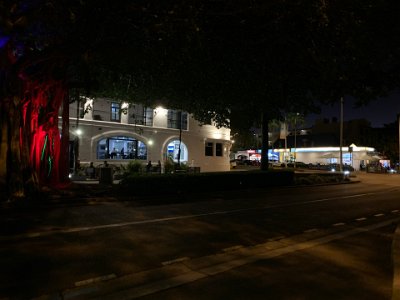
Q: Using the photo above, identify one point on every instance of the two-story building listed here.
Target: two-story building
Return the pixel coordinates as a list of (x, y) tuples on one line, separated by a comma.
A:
[(118, 132)]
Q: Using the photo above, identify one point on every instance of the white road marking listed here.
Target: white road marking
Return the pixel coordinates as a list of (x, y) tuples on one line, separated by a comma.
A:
[(310, 230), (174, 261), (379, 215), (95, 279), (339, 224), (211, 267), (276, 238), (361, 219), (173, 218), (233, 248), (395, 211)]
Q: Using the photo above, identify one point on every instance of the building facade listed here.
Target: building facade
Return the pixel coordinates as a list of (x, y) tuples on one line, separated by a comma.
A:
[(119, 132)]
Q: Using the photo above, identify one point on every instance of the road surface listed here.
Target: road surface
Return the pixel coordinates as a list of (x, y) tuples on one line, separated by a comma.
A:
[(330, 242)]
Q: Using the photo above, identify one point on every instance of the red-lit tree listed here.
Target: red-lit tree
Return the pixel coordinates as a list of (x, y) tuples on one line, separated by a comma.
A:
[(47, 48), (230, 61), (35, 56)]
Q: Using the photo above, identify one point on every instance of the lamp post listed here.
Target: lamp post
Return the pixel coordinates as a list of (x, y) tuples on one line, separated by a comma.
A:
[(341, 135), (295, 139)]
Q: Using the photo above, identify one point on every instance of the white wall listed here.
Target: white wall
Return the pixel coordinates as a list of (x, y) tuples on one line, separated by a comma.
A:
[(159, 135)]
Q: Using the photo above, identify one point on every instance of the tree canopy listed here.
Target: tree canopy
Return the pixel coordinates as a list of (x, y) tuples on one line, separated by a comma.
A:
[(238, 62)]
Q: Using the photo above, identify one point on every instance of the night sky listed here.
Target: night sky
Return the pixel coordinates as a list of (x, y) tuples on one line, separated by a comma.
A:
[(379, 112)]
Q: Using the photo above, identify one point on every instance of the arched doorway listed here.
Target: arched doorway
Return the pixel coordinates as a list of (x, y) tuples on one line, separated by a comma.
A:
[(173, 151), (121, 147)]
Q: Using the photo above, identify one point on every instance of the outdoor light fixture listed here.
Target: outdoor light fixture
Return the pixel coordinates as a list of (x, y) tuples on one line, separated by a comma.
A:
[(150, 142), (160, 110), (78, 131)]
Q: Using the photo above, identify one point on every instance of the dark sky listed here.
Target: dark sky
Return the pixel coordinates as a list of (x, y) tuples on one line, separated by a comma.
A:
[(378, 112)]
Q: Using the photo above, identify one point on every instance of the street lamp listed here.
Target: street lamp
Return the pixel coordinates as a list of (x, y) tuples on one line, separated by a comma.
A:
[(341, 135), (78, 133), (295, 139)]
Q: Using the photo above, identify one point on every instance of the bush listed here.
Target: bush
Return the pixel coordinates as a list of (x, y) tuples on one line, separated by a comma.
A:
[(134, 167), (169, 167), (205, 182), (309, 179)]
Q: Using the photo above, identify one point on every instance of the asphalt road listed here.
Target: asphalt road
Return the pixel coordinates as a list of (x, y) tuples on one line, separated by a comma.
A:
[(325, 242)]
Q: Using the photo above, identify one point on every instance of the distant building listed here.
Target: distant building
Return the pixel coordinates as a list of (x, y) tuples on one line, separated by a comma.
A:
[(119, 132), (320, 144)]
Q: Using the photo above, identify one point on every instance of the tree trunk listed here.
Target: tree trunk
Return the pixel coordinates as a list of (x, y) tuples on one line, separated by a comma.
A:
[(64, 151), (29, 135), (264, 142), (10, 174)]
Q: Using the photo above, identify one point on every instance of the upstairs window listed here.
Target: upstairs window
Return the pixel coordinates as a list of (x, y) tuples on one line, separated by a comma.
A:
[(177, 119), (209, 149), (115, 111), (147, 116), (218, 149)]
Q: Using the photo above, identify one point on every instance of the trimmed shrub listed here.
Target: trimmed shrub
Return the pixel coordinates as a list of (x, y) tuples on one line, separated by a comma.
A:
[(205, 182), (134, 167)]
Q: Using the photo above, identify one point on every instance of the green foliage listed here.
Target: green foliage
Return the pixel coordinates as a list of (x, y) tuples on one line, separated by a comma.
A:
[(168, 184), (169, 166), (134, 167), (322, 178)]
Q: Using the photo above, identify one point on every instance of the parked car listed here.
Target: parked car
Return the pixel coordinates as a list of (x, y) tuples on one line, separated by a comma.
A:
[(336, 167), (299, 165)]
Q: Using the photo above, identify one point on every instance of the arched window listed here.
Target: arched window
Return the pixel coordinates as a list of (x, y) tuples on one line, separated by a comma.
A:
[(121, 147), (173, 150)]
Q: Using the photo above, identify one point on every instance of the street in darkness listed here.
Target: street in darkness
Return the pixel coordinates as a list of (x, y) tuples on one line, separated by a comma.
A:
[(321, 242)]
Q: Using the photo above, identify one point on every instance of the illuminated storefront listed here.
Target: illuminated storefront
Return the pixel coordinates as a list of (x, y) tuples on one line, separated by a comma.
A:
[(354, 156)]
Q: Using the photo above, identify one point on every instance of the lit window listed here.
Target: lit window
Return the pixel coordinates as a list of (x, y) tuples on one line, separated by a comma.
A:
[(173, 151), (121, 147), (177, 119), (115, 111), (147, 116)]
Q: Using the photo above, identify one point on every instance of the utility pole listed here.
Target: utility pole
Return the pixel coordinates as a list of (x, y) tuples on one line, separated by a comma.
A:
[(295, 139), (180, 136), (76, 139), (341, 135)]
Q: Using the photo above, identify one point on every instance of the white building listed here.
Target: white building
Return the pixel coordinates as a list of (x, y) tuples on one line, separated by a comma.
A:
[(118, 132), (353, 155)]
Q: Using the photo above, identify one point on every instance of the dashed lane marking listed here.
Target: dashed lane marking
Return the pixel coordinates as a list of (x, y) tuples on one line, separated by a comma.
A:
[(276, 238), (310, 230), (95, 279), (233, 248), (339, 224), (211, 267), (174, 261), (173, 218), (379, 215), (361, 219)]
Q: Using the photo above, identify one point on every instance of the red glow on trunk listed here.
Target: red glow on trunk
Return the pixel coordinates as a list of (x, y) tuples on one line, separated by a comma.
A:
[(40, 116)]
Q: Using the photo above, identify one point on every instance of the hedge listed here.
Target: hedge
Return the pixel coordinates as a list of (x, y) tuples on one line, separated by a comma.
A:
[(204, 182)]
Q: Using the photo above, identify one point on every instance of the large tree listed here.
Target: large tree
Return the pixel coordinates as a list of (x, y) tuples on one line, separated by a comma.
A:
[(238, 63)]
